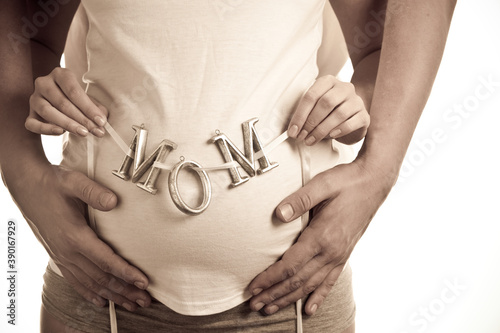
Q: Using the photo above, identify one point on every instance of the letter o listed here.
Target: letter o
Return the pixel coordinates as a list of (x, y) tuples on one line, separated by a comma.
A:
[(174, 189)]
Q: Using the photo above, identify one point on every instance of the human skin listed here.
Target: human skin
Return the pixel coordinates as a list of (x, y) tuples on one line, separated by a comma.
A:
[(93, 269), (396, 112), (52, 112), (66, 114), (53, 199), (344, 199)]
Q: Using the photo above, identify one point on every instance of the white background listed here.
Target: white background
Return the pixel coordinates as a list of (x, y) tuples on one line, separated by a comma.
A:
[(439, 226)]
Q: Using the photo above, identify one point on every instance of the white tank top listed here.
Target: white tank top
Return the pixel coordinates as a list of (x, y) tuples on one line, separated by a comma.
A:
[(184, 70)]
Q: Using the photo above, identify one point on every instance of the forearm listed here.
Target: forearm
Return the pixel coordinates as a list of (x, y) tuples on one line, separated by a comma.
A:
[(365, 76), (15, 89), (47, 45), (22, 60), (354, 17), (414, 39), (43, 59)]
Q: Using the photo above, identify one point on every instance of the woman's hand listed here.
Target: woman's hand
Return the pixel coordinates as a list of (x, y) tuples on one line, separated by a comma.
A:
[(54, 202), (330, 108), (345, 199), (60, 104)]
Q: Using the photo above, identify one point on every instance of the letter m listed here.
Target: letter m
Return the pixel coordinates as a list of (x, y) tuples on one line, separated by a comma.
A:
[(252, 144), (135, 156)]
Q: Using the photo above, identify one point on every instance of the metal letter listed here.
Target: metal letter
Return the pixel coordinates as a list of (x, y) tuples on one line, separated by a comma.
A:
[(174, 189), (251, 144), (123, 171), (141, 165)]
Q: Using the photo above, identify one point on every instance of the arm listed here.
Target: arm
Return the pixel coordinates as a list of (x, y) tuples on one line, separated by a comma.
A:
[(414, 42), (53, 199), (15, 62), (335, 109), (80, 116), (355, 191), (22, 59)]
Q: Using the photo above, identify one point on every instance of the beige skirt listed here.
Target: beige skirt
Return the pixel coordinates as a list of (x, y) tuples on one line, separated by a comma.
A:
[(61, 301)]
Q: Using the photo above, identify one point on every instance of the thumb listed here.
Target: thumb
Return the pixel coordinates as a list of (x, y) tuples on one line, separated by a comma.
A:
[(90, 192), (317, 190)]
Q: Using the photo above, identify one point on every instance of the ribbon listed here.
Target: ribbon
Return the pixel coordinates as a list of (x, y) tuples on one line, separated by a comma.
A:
[(126, 149)]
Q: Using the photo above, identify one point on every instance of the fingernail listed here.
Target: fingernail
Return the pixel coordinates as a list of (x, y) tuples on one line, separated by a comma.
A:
[(128, 307), (256, 291), (302, 135), (286, 211), (335, 133), (314, 308), (141, 302), (82, 131), (293, 131), (98, 132), (100, 121), (310, 140), (259, 306), (139, 285), (272, 309)]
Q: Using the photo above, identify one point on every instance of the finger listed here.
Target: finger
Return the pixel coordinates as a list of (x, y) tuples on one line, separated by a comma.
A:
[(318, 189), (57, 98), (108, 261), (325, 105), (294, 259), (35, 125), (51, 115), (307, 103), (47, 91), (360, 121), (108, 281), (319, 295), (86, 293), (97, 196), (340, 115), (87, 282), (310, 286), (300, 283), (69, 85)]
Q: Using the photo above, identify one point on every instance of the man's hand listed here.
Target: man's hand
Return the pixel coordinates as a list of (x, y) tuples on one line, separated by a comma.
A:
[(344, 199), (54, 201)]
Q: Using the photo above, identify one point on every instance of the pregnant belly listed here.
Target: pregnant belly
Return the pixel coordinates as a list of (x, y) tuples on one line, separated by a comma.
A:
[(200, 264), (203, 263)]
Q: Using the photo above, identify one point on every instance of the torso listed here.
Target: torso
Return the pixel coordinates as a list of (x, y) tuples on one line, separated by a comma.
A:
[(184, 70)]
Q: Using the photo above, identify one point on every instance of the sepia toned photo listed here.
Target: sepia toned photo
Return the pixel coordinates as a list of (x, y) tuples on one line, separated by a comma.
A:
[(301, 166)]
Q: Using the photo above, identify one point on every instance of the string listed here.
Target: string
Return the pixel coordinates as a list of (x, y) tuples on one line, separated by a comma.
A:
[(118, 140), (298, 310), (273, 144), (259, 154), (91, 175), (112, 317)]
